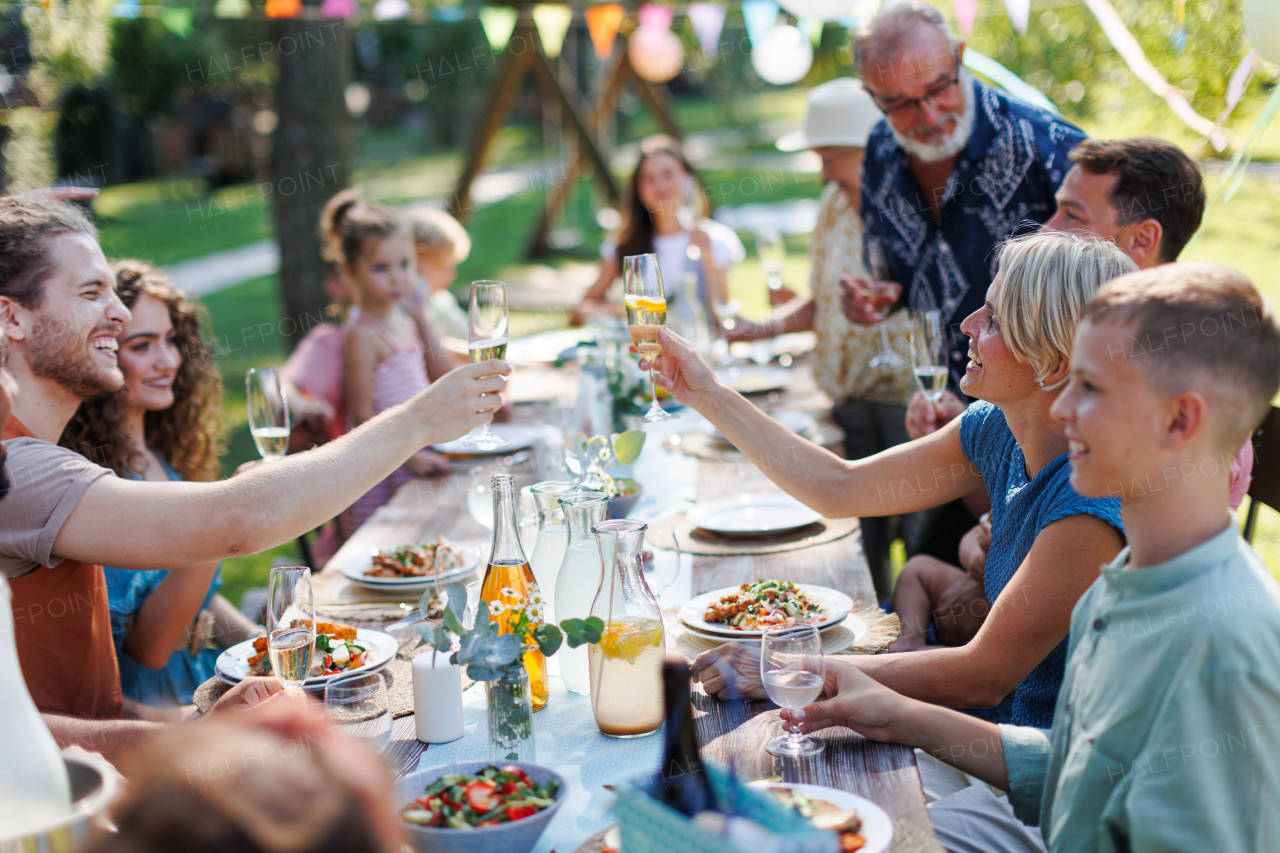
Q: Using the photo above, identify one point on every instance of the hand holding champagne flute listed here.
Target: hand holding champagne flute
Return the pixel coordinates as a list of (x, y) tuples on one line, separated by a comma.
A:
[(268, 411), (646, 314), (793, 671), (487, 322), (291, 625)]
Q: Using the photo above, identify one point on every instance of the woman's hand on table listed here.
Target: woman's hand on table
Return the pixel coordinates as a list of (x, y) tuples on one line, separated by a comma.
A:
[(680, 370), (924, 417), (248, 693), (745, 664)]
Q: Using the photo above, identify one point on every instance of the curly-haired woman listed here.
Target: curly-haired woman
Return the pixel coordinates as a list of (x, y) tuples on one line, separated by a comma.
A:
[(164, 424)]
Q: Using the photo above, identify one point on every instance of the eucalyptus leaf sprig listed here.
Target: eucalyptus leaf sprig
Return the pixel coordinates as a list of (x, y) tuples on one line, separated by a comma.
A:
[(484, 651), (592, 455)]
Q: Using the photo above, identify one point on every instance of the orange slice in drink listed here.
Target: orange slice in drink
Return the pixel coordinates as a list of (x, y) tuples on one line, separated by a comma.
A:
[(657, 306), (626, 640)]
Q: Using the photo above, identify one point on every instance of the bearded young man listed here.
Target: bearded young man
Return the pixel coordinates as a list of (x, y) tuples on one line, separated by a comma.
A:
[(65, 516)]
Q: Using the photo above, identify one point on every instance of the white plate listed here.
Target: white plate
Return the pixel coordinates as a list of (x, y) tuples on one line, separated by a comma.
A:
[(752, 515), (753, 379), (354, 570), (518, 438), (836, 603), (877, 828), (233, 664), (835, 638)]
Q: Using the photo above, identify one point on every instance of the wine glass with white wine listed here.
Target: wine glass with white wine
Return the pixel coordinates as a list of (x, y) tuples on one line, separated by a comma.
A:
[(793, 671), (268, 409), (487, 321), (928, 349), (291, 625), (646, 314)]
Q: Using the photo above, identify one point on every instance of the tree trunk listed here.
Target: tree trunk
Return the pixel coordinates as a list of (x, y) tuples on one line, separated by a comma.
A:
[(310, 157)]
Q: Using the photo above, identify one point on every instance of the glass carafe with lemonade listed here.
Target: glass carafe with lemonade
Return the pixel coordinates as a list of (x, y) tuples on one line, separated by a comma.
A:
[(646, 313), (553, 537), (509, 580), (578, 580), (626, 665)]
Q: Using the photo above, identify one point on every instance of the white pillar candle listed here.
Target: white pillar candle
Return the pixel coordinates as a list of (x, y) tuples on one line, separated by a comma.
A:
[(437, 698)]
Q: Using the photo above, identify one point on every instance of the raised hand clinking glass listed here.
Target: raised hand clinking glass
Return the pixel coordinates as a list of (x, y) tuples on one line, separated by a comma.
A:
[(928, 353), (646, 314), (268, 410), (793, 670), (291, 625), (487, 338), (879, 293)]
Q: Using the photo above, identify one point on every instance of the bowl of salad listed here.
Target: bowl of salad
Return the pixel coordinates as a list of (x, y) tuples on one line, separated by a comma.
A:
[(479, 806)]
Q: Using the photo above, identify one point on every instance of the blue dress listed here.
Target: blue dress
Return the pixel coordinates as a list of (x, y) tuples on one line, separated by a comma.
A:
[(1020, 509), (175, 683)]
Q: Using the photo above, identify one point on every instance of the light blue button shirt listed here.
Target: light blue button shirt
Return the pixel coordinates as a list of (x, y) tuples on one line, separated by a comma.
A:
[(1166, 734)]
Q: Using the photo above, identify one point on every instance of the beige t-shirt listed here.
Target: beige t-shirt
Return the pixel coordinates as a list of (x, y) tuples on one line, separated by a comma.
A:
[(46, 483)]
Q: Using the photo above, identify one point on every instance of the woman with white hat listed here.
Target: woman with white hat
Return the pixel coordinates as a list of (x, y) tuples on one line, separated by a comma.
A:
[(870, 402)]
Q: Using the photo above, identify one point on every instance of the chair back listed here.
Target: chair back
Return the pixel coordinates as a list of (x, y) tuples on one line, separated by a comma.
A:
[(1265, 485)]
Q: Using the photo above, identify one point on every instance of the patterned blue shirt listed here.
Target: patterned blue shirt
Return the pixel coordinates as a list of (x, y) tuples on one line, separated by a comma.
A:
[(1020, 509), (1003, 184)]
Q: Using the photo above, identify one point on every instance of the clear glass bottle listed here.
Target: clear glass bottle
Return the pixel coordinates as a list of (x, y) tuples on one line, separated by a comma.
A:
[(579, 579), (552, 538), (626, 665), (35, 792), (510, 580)]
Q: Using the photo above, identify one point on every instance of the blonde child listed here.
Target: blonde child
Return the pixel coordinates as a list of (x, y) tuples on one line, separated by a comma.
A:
[(389, 354), (440, 243)]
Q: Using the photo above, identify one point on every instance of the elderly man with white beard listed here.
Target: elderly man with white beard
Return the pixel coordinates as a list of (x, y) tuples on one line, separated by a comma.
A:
[(954, 169)]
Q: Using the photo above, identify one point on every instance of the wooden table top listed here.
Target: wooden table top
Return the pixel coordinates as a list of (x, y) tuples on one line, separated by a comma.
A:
[(883, 773)]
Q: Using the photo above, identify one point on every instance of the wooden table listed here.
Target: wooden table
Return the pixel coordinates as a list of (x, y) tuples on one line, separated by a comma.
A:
[(883, 773)]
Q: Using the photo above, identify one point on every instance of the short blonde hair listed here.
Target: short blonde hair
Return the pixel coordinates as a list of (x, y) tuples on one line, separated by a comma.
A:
[(1045, 281), (435, 229)]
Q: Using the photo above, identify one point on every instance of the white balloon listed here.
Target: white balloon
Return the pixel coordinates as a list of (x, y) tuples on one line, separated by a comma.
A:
[(656, 55), (823, 10), (783, 56), (1262, 27)]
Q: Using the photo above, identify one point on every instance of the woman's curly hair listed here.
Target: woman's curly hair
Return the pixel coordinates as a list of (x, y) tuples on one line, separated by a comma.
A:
[(189, 434)]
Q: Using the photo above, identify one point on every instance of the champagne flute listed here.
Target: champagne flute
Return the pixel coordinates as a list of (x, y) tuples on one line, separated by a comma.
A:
[(646, 314), (660, 566), (487, 338), (793, 670), (773, 254), (927, 348), (880, 294), (291, 625), (268, 411)]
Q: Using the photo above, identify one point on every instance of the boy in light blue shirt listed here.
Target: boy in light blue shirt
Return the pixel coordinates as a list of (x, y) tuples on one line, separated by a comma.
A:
[(1166, 735)]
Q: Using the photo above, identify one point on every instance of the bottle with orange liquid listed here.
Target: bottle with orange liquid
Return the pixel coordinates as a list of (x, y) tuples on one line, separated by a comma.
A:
[(510, 580)]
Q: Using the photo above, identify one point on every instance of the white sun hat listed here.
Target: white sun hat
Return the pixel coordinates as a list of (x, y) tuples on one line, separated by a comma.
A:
[(836, 113)]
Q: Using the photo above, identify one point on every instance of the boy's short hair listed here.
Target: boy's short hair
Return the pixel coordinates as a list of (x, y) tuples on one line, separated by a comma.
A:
[(25, 223), (1194, 320), (435, 229), (1045, 280), (1155, 179)]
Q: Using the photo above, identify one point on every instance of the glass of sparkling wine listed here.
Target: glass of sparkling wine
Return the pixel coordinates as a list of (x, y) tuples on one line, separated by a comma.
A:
[(646, 314), (880, 295), (487, 338), (268, 411), (773, 255), (793, 670), (928, 347), (291, 625)]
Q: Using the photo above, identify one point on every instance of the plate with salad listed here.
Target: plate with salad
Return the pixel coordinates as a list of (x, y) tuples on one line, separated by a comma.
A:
[(340, 650), (752, 609)]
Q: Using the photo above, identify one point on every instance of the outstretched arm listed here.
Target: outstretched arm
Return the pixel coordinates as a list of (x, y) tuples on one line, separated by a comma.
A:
[(144, 525), (909, 477)]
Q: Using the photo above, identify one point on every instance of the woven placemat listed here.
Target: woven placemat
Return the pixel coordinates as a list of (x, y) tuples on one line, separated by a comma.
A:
[(398, 673), (695, 540), (881, 630), (907, 838)]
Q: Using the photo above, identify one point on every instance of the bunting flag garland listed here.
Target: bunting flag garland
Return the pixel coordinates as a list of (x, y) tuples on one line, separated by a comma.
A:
[(552, 20), (283, 8), (231, 8), (966, 14), (177, 20), (656, 17), (759, 17), (707, 20), (823, 10), (498, 22), (1240, 79), (336, 8), (603, 21), (1007, 80), (654, 51), (389, 10), (1262, 27), (1019, 13)]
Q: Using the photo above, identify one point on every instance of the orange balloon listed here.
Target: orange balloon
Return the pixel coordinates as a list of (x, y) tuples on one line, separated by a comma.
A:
[(603, 20), (284, 8)]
